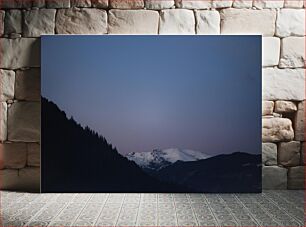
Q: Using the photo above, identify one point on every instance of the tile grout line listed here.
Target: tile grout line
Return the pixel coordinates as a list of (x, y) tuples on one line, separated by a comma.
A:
[(194, 215), (120, 209), (98, 216), (216, 219), (230, 210), (175, 210), (81, 210)]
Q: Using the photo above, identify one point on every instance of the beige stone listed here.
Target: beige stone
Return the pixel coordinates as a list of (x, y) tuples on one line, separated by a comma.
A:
[(138, 22), (267, 107), (262, 4), (7, 80), (293, 52), (3, 121), (24, 122), (293, 4), (283, 84), (296, 177), (39, 22), (159, 4), (13, 155), (285, 106), (81, 21), (56, 4), (27, 86), (277, 129), (289, 153), (20, 53), (80, 3), (177, 21), (270, 51), (13, 21), (33, 154), (208, 22), (299, 122), (243, 4), (269, 154), (192, 4), (100, 3), (290, 22), (9, 179), (274, 177), (126, 4), (221, 3), (248, 21)]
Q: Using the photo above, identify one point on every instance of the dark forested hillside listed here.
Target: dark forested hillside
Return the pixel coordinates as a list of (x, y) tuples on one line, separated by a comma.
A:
[(77, 159)]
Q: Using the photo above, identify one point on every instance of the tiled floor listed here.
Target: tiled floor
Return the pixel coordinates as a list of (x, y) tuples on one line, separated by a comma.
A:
[(271, 208)]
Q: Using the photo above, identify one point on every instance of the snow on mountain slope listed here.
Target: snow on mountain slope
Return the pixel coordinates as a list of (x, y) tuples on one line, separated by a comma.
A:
[(158, 159)]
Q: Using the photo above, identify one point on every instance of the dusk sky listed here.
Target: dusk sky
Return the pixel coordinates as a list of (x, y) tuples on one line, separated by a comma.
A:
[(145, 92)]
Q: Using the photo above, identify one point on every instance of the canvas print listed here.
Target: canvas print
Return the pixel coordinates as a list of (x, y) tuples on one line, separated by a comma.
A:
[(151, 114)]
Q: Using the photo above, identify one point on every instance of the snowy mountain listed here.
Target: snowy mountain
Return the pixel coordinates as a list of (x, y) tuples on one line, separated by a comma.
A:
[(158, 159)]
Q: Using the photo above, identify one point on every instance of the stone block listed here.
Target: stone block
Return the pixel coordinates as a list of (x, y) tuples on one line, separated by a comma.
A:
[(81, 21), (248, 21), (221, 3), (39, 22), (38, 3), (262, 4), (274, 177), (208, 22), (80, 3), (285, 106), (2, 15), (100, 3), (303, 160), (296, 176), (290, 22), (269, 154), (13, 155), (27, 85), (159, 4), (283, 84), (24, 122), (293, 52), (267, 107), (293, 4), (33, 154), (138, 22), (126, 4), (15, 4), (299, 122), (270, 51), (192, 4), (242, 4), (277, 129), (289, 153), (177, 21), (13, 21), (7, 81), (3, 121), (20, 53), (56, 4)]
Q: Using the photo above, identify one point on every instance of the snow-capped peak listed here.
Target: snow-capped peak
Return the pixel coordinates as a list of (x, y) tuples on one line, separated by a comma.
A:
[(158, 158)]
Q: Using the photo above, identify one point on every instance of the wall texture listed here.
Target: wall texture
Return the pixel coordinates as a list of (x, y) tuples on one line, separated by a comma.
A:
[(281, 22)]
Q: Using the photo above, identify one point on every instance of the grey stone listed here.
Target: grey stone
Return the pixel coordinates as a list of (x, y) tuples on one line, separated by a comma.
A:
[(283, 84), (139, 22), (293, 52), (262, 4), (192, 4), (56, 4), (81, 21), (27, 85), (290, 22), (126, 4), (242, 4), (13, 21), (303, 160), (159, 4), (299, 122), (2, 15), (39, 3), (15, 4), (24, 122), (208, 22), (221, 3), (7, 81), (80, 3), (267, 107), (20, 53), (296, 177), (177, 21), (270, 51), (9, 179), (3, 121), (33, 154), (274, 177), (248, 21), (289, 154), (269, 154), (13, 155), (39, 22), (100, 3), (285, 106), (277, 129)]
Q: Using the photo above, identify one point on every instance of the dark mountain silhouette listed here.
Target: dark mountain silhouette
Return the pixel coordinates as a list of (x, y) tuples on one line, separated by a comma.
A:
[(77, 159), (237, 172)]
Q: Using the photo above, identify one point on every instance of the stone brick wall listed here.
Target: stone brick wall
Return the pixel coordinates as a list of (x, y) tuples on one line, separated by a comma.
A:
[(281, 22)]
